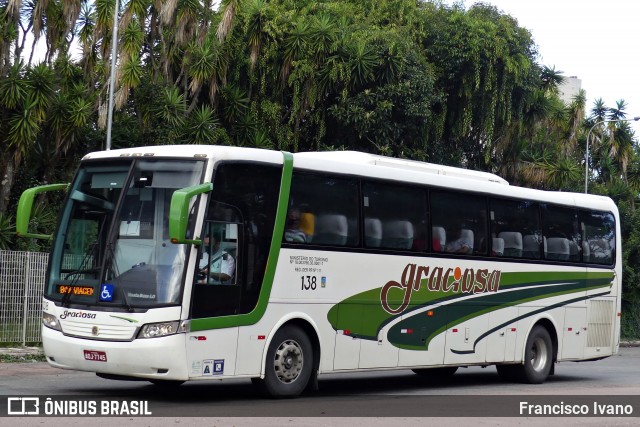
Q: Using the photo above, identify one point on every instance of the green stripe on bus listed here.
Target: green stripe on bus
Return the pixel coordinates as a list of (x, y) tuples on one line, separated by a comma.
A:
[(274, 250), (348, 315), (425, 328)]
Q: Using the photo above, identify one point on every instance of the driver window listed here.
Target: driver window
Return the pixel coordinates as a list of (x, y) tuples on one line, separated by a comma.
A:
[(217, 264)]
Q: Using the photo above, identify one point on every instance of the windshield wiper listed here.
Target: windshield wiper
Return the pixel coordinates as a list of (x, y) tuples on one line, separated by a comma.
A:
[(66, 299), (110, 256), (125, 300)]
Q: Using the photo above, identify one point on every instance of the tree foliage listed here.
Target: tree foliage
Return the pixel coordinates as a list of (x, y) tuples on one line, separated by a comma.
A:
[(406, 78)]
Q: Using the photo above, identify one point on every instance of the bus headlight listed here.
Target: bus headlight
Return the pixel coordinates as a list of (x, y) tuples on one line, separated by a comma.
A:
[(51, 321), (154, 330)]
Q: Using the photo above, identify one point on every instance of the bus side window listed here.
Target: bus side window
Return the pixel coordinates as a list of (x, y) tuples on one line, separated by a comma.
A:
[(395, 216), (332, 229), (512, 243), (323, 210), (438, 238), (464, 218), (372, 232), (560, 227), (516, 223), (397, 234), (598, 244)]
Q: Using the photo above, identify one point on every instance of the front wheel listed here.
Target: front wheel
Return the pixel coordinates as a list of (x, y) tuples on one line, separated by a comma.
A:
[(538, 357), (289, 363)]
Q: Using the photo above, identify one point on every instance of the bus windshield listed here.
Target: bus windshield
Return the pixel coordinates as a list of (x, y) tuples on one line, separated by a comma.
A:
[(112, 245)]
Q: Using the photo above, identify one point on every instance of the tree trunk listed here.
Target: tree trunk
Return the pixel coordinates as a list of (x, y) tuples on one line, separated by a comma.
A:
[(6, 182)]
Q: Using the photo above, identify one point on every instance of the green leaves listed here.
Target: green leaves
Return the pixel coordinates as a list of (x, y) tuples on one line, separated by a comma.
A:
[(7, 231), (24, 125), (131, 39), (363, 62), (236, 103), (202, 126), (172, 107), (13, 87)]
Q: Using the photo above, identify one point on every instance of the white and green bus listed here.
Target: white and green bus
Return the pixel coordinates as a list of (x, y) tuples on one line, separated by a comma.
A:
[(178, 263)]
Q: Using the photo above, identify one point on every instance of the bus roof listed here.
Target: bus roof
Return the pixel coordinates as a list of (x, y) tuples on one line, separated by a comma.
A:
[(356, 157), (370, 165), (319, 158)]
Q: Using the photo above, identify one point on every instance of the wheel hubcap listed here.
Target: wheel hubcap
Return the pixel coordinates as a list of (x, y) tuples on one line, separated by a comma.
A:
[(288, 361), (538, 354)]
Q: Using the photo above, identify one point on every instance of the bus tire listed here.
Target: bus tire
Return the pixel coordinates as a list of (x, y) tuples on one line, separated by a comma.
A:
[(436, 374), (289, 363), (538, 357)]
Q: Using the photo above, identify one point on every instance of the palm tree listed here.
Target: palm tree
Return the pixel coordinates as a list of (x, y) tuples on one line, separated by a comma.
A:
[(295, 44), (203, 126), (25, 97), (621, 145), (257, 17), (598, 111), (226, 24), (551, 79), (576, 116), (618, 112)]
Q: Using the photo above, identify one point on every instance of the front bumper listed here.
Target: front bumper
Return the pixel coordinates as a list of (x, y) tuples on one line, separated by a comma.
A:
[(161, 358)]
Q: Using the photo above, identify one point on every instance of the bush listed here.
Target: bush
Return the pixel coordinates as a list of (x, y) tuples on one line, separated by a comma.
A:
[(7, 231), (630, 323)]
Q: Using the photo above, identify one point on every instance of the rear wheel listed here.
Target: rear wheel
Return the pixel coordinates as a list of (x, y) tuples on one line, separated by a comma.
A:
[(538, 357), (289, 363)]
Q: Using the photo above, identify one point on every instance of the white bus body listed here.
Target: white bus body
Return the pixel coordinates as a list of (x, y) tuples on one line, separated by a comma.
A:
[(371, 286)]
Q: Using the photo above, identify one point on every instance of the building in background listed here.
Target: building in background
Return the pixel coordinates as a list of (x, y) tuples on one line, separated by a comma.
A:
[(569, 89)]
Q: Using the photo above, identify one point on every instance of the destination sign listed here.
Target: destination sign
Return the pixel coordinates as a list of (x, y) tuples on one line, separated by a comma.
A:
[(75, 290)]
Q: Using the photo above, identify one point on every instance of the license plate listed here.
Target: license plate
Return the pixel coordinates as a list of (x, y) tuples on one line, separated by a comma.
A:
[(95, 356)]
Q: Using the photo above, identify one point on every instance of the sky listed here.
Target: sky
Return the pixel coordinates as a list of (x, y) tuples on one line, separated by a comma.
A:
[(596, 41)]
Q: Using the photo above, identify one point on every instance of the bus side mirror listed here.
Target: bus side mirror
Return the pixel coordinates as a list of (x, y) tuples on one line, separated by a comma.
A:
[(25, 206), (179, 212)]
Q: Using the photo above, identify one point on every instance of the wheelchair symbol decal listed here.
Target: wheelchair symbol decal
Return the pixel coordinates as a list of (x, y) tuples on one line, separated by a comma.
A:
[(106, 292)]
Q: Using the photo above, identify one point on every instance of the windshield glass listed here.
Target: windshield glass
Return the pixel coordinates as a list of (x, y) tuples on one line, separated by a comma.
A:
[(112, 245)]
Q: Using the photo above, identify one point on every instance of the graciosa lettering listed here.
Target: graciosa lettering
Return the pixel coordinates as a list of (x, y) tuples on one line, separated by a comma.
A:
[(453, 280)]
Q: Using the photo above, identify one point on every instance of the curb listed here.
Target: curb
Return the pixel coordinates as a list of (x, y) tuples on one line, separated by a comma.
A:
[(21, 351)]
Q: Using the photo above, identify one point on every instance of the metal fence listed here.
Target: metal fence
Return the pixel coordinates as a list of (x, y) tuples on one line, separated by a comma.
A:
[(21, 285)]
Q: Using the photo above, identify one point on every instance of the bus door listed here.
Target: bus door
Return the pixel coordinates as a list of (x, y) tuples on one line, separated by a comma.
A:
[(212, 350), (230, 269)]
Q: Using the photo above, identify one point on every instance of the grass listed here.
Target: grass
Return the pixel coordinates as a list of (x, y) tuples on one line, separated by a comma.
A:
[(11, 331), (10, 358)]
